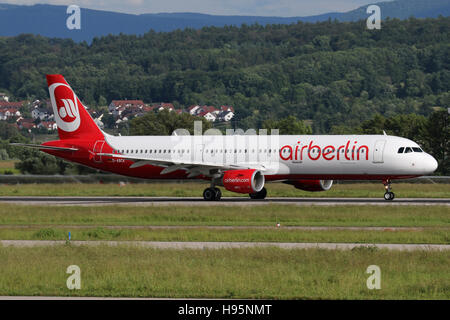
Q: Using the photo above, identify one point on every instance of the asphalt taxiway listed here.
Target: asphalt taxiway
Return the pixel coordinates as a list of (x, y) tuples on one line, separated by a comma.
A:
[(228, 201)]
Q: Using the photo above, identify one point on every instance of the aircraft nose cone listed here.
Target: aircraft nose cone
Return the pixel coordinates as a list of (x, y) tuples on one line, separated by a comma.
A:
[(431, 164)]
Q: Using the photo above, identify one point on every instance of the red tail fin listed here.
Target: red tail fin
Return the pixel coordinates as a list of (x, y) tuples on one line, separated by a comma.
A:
[(72, 118)]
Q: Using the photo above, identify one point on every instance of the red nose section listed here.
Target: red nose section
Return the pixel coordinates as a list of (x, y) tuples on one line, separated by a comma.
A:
[(72, 118)]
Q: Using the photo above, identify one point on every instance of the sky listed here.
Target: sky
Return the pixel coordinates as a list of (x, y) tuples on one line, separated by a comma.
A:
[(282, 8)]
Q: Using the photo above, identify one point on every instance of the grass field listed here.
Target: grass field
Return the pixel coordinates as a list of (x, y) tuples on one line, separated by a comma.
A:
[(224, 273), (92, 223), (427, 236), (131, 271), (268, 215), (8, 167), (364, 190)]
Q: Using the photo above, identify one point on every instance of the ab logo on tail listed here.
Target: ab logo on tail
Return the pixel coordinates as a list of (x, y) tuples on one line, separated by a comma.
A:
[(65, 107)]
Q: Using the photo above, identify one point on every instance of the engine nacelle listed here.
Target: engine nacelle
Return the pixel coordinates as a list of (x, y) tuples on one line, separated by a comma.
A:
[(312, 185), (243, 181)]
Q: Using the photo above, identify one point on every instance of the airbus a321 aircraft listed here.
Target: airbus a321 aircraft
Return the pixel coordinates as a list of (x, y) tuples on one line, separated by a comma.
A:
[(239, 163)]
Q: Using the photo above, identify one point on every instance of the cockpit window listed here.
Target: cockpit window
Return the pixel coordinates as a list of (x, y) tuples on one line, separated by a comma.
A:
[(401, 150), (417, 150), (408, 150)]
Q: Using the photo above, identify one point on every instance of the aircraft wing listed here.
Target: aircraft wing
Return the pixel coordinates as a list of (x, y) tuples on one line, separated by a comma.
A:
[(171, 165)]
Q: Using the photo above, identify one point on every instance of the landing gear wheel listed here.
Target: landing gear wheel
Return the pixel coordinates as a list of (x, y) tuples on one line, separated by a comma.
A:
[(212, 194), (217, 194), (389, 196), (259, 195), (209, 194)]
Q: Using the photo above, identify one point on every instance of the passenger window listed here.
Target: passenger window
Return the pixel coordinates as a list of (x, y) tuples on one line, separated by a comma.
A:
[(408, 150)]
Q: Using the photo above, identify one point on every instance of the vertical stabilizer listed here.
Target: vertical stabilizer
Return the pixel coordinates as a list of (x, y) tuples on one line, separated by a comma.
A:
[(72, 118)]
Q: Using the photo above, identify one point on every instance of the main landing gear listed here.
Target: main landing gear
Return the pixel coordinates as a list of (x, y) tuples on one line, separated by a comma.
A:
[(389, 195), (212, 194), (259, 195)]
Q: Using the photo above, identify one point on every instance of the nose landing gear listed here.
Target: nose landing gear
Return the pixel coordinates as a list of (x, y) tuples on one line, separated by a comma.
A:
[(389, 195)]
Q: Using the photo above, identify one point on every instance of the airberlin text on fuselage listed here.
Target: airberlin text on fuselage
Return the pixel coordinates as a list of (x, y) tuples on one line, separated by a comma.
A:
[(352, 151)]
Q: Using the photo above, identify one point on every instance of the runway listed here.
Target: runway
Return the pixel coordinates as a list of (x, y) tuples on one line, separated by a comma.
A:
[(226, 245), (229, 201)]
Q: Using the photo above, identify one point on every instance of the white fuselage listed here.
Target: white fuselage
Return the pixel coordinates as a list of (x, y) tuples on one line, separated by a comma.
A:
[(321, 156)]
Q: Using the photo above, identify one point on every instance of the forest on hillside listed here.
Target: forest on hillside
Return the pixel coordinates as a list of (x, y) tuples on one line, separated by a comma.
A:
[(331, 73)]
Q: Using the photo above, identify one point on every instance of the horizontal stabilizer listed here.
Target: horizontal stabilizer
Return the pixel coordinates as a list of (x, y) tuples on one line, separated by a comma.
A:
[(39, 146)]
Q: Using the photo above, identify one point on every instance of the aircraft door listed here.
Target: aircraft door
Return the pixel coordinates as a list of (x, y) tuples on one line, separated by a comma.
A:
[(378, 151), (199, 152)]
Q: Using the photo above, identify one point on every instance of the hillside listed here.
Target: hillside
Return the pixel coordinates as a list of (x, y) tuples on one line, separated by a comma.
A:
[(50, 20), (331, 73)]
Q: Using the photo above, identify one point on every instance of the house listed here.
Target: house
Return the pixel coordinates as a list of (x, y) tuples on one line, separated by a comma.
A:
[(8, 113), (193, 110), (41, 114), (49, 125), (124, 104), (163, 106), (208, 115), (226, 116), (10, 109), (4, 97), (224, 113), (226, 109), (7, 104), (27, 124), (211, 110)]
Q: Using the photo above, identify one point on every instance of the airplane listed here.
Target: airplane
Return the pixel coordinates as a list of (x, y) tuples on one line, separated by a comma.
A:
[(239, 163)]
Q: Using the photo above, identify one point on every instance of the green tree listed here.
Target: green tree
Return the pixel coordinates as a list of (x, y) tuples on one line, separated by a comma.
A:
[(437, 133), (289, 125), (165, 123)]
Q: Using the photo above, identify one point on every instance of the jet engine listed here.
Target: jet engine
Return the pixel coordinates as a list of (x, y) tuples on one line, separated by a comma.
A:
[(312, 185), (243, 181)]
